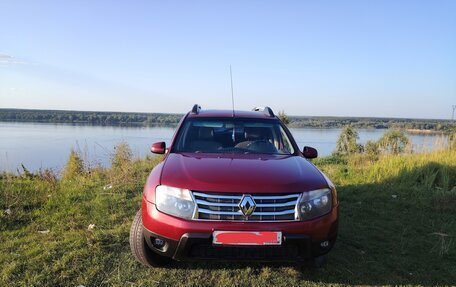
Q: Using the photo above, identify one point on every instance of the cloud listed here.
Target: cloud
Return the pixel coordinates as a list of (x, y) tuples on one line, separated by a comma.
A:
[(7, 60)]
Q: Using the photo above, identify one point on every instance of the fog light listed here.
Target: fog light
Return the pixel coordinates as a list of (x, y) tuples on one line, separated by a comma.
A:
[(324, 244), (158, 243)]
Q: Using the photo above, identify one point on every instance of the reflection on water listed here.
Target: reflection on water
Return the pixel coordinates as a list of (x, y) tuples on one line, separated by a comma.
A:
[(39, 145)]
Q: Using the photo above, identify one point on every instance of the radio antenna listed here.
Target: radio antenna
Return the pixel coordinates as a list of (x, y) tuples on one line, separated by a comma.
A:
[(232, 90), (232, 101)]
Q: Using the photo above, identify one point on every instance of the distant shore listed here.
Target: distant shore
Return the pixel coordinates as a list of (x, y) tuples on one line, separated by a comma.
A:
[(167, 119), (419, 131)]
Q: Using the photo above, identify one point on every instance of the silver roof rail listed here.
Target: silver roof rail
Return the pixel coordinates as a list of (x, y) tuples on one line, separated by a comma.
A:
[(196, 109), (265, 110)]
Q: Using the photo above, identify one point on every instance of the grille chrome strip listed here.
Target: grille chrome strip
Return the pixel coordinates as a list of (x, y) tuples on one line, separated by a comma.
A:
[(203, 202), (202, 210), (225, 207), (216, 196), (275, 212), (277, 196), (289, 203)]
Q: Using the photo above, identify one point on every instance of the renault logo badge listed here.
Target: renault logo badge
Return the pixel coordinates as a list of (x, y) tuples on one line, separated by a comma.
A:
[(247, 205)]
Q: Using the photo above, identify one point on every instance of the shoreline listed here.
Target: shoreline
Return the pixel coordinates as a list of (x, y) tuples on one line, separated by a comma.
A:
[(420, 131)]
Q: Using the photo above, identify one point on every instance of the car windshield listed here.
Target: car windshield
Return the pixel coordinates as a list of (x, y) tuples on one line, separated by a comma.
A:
[(233, 136)]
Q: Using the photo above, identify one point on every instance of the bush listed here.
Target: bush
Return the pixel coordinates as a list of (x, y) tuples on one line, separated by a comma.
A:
[(372, 150), (452, 138), (74, 166), (122, 156), (283, 117), (394, 141), (346, 143)]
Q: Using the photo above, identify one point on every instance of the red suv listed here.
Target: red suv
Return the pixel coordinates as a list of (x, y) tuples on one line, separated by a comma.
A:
[(234, 185)]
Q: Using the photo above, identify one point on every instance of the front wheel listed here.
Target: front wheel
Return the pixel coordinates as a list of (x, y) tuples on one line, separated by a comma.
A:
[(139, 247)]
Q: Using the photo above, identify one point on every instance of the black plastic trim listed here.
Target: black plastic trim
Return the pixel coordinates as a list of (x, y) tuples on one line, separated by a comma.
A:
[(181, 250)]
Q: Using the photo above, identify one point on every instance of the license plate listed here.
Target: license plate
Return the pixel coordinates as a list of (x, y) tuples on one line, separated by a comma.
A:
[(247, 238)]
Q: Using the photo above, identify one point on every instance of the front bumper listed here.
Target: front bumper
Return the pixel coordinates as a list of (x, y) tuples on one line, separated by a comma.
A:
[(196, 246), (192, 239)]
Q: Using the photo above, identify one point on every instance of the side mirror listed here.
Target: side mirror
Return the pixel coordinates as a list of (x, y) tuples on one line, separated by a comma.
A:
[(158, 148), (309, 152)]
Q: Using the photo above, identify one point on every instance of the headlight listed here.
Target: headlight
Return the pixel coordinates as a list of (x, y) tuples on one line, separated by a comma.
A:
[(174, 201), (315, 203)]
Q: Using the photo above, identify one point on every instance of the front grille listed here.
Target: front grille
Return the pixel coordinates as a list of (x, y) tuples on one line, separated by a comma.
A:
[(214, 206)]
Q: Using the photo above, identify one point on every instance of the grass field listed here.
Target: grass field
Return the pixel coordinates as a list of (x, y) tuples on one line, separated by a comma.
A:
[(398, 226)]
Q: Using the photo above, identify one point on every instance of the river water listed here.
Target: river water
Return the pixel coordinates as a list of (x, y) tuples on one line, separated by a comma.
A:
[(39, 145)]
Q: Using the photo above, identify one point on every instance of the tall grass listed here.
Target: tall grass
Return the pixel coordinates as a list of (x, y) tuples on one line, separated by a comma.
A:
[(436, 170)]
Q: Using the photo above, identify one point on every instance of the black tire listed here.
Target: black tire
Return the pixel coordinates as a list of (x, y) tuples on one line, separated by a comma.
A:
[(139, 247), (319, 261)]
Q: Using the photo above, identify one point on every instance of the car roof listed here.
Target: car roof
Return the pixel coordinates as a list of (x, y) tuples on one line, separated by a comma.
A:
[(229, 114)]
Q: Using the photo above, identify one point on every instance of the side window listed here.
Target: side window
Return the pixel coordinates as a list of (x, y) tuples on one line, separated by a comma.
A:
[(287, 146)]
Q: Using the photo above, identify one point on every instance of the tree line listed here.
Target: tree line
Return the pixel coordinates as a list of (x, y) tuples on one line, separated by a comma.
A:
[(93, 118), (151, 119), (377, 123)]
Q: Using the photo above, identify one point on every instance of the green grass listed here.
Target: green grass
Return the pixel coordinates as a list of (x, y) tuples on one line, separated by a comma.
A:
[(397, 226)]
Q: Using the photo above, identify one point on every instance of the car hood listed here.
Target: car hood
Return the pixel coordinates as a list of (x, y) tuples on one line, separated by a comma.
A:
[(234, 173)]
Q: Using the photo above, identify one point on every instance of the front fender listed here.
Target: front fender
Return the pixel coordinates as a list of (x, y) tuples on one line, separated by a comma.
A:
[(153, 180)]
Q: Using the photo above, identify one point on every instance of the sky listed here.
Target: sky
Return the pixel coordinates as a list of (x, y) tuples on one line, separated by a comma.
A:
[(316, 58)]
